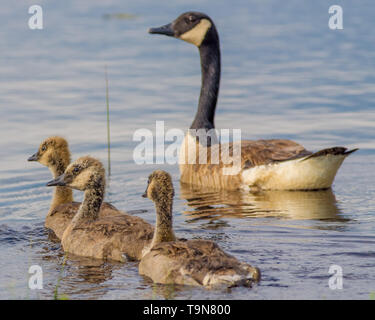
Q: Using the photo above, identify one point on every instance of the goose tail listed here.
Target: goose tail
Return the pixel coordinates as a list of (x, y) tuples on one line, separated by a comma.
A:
[(335, 151), (312, 172)]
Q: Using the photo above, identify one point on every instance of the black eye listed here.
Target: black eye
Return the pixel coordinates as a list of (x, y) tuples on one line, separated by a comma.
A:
[(192, 18), (44, 148), (76, 170), (189, 19)]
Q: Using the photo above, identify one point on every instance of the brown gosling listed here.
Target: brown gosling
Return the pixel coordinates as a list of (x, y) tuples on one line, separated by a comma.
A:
[(118, 237), (54, 153), (188, 262)]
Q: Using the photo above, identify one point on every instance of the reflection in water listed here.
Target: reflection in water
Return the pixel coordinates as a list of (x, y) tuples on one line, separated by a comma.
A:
[(299, 205), (64, 277), (161, 291), (91, 270), (85, 277)]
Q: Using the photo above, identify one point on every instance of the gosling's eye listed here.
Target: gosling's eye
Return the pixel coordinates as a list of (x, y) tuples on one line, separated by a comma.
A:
[(44, 148), (76, 170)]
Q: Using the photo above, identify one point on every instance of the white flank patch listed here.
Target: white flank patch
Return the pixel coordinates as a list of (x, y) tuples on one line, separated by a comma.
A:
[(300, 174)]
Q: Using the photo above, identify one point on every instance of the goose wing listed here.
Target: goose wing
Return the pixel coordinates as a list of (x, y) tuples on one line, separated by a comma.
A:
[(255, 153), (259, 152)]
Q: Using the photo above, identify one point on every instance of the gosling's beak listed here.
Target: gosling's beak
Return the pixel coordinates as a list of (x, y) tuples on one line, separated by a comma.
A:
[(166, 30), (59, 181), (34, 157), (145, 193)]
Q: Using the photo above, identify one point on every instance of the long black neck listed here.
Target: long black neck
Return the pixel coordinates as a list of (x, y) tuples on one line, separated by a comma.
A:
[(210, 67)]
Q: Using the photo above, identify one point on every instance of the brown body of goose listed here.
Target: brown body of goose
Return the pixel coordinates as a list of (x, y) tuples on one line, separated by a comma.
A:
[(189, 262), (117, 237), (276, 164), (54, 153)]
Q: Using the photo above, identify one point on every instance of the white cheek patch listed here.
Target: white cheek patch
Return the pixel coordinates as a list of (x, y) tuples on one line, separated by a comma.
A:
[(197, 34)]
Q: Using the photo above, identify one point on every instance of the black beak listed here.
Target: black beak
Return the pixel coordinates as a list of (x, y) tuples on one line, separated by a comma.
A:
[(34, 157), (145, 194), (166, 30), (59, 181)]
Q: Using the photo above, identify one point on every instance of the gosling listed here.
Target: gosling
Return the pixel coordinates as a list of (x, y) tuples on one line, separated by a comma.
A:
[(118, 237), (188, 262), (54, 153)]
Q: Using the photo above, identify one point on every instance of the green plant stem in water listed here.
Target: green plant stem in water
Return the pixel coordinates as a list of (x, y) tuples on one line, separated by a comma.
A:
[(56, 294), (108, 129)]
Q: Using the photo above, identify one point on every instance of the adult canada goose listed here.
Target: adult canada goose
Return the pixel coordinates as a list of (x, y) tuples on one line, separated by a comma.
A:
[(190, 262), (265, 164), (116, 237), (54, 153)]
